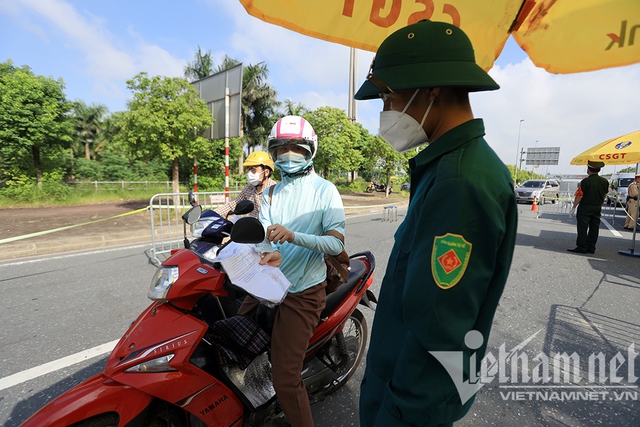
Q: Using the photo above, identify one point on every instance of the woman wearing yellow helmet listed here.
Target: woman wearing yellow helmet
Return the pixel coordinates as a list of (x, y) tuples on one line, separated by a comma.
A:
[(259, 170)]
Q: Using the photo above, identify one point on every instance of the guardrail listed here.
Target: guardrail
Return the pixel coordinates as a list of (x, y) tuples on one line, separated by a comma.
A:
[(167, 227)]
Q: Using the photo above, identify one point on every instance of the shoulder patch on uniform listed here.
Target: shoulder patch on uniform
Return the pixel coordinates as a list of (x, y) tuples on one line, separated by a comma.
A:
[(449, 259)]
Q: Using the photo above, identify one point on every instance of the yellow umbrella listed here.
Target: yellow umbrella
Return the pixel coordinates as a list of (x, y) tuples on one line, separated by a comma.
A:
[(561, 36), (622, 150)]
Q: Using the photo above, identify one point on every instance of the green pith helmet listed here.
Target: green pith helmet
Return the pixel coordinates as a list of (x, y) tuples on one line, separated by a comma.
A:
[(424, 55)]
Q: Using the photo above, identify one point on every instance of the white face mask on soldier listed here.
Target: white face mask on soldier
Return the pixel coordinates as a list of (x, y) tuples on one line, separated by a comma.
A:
[(401, 131), (254, 178)]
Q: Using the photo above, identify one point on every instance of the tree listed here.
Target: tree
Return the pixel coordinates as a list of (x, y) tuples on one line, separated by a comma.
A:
[(259, 103), (88, 124), (200, 67), (33, 116), (292, 108), (164, 121), (338, 141), (380, 156)]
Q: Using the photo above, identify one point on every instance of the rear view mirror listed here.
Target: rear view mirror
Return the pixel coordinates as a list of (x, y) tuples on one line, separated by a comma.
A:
[(192, 215), (247, 230)]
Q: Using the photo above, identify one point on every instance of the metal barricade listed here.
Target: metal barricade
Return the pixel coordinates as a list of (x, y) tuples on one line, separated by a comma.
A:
[(560, 205), (166, 210), (390, 213)]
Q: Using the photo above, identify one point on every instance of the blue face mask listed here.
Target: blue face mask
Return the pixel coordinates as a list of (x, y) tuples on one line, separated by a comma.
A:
[(291, 162)]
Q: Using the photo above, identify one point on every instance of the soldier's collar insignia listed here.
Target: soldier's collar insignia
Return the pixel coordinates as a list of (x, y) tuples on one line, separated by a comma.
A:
[(449, 259)]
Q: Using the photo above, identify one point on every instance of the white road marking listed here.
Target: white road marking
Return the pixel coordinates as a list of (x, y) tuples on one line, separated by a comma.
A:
[(47, 368), (119, 248), (611, 229)]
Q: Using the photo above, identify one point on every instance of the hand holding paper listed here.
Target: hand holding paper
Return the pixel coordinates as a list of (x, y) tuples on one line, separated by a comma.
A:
[(242, 265)]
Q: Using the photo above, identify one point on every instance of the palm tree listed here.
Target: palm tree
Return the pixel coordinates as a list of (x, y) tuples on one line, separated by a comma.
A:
[(259, 103), (292, 108), (259, 100), (88, 123), (201, 67)]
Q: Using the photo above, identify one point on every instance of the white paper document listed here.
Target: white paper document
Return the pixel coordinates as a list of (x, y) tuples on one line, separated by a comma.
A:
[(241, 263)]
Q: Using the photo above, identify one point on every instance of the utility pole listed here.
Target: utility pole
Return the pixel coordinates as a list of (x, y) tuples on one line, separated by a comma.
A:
[(518, 150)]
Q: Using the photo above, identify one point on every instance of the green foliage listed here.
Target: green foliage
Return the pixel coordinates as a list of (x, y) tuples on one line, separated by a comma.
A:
[(115, 167), (88, 125), (523, 175), (259, 103), (381, 161), (165, 118), (338, 141), (24, 189), (211, 164), (33, 116), (357, 186), (200, 67)]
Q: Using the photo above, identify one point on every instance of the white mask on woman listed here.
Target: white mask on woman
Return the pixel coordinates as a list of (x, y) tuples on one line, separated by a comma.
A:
[(401, 131), (254, 178)]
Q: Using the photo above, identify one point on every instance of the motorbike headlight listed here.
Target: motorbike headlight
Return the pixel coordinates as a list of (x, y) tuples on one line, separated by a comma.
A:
[(212, 253), (160, 364), (198, 226), (162, 281)]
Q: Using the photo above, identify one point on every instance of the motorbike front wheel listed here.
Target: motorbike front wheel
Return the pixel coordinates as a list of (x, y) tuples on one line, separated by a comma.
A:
[(104, 420)]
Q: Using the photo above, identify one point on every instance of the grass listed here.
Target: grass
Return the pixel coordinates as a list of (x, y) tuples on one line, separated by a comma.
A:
[(87, 196)]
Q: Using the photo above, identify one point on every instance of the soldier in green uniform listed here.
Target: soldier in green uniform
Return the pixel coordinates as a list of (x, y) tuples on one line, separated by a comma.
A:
[(452, 253), (594, 190)]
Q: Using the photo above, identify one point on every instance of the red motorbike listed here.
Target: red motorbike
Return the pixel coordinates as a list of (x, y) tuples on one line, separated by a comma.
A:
[(167, 369)]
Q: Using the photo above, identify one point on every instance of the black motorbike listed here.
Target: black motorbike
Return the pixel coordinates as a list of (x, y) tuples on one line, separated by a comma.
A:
[(381, 188)]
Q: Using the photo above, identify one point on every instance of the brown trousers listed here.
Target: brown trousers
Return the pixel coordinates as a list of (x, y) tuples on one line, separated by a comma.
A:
[(295, 322), (631, 208)]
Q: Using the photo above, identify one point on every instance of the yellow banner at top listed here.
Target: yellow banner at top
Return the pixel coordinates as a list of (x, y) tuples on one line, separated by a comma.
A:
[(364, 24), (561, 36)]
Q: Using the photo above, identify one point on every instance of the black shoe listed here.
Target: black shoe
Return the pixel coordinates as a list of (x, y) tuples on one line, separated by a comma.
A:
[(577, 250), (591, 251)]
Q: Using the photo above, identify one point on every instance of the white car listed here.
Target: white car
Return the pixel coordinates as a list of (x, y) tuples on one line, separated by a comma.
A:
[(542, 190)]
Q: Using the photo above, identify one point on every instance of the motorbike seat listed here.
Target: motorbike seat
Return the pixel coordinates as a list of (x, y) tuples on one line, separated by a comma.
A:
[(266, 316), (335, 298)]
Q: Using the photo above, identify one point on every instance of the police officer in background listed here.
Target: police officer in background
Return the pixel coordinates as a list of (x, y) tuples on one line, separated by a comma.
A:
[(447, 269), (594, 190), (632, 203)]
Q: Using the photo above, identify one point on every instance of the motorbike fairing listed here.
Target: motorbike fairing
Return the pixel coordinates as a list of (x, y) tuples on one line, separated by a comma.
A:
[(160, 332), (97, 395)]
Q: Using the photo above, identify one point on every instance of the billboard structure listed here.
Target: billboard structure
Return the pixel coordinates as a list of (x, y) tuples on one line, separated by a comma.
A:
[(223, 94), (539, 156), (213, 90)]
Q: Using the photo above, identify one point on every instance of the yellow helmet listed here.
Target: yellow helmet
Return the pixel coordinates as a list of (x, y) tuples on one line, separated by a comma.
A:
[(258, 158)]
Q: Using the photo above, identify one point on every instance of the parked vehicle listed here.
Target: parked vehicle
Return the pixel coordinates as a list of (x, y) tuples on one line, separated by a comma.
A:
[(381, 188), (168, 370), (540, 190), (406, 186), (618, 188)]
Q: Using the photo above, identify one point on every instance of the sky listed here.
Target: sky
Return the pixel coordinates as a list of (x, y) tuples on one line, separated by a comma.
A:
[(96, 45)]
